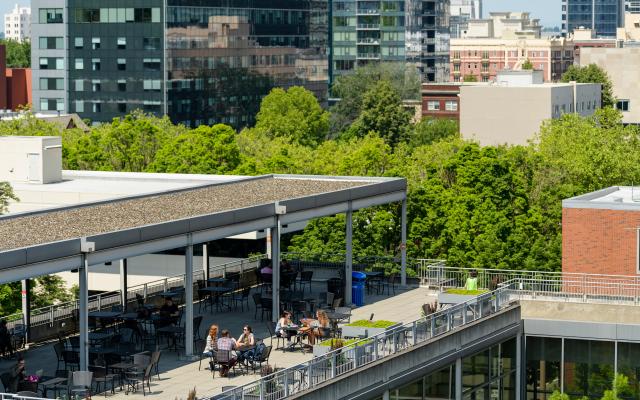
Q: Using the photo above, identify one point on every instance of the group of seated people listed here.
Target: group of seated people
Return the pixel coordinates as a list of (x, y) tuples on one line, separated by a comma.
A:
[(241, 350), (310, 327)]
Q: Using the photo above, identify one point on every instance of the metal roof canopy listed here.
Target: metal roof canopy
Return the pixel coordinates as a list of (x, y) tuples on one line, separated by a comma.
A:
[(46, 258)]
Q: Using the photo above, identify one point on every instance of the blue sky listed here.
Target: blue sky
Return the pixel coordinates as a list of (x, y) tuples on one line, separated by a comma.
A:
[(549, 11)]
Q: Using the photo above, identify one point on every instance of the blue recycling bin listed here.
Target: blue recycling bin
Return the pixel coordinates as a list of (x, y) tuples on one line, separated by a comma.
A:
[(357, 288)]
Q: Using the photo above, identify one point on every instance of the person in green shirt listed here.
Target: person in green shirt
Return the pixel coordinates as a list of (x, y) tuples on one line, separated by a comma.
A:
[(472, 280)]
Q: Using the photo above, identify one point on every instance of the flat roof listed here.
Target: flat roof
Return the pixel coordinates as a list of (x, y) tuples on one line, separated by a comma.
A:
[(612, 198), (141, 224)]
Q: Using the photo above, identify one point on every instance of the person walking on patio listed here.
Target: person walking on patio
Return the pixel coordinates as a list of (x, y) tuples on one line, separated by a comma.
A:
[(472, 280)]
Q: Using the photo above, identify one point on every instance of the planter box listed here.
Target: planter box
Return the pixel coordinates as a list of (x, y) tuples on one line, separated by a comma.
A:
[(456, 298), (320, 350), (363, 331)]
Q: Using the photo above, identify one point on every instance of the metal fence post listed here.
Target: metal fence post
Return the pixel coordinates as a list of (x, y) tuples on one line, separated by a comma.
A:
[(286, 383), (261, 389), (144, 291), (309, 376), (375, 349), (51, 314), (415, 333), (165, 284), (333, 364), (433, 325)]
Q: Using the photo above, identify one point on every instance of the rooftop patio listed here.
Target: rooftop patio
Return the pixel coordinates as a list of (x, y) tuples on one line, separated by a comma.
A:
[(179, 374)]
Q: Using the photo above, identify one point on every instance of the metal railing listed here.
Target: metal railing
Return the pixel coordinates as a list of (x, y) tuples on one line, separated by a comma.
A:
[(11, 396), (66, 310), (305, 376)]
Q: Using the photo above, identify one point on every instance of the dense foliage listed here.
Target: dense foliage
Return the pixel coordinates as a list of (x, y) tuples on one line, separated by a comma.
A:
[(482, 207), (592, 74), (18, 53)]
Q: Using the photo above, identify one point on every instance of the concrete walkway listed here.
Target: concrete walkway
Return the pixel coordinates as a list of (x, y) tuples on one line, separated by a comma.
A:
[(179, 375)]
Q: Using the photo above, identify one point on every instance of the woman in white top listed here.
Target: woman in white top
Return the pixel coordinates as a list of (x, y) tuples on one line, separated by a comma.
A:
[(212, 342)]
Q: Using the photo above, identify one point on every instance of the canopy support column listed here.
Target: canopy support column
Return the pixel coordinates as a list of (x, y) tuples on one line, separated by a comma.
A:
[(123, 284), (205, 260), (348, 265), (188, 294), (275, 266), (26, 309), (403, 244)]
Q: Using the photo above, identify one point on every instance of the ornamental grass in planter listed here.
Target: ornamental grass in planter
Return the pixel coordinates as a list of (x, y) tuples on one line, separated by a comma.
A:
[(366, 328)]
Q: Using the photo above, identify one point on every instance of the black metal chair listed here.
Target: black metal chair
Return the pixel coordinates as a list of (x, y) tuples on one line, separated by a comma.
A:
[(305, 280), (266, 306), (272, 334), (71, 359), (261, 358), (58, 348), (242, 298), (390, 283), (256, 301)]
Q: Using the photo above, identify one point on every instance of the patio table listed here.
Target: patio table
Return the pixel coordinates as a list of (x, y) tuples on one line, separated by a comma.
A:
[(50, 383), (216, 292)]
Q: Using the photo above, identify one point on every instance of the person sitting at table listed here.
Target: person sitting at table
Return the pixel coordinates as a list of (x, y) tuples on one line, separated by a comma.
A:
[(283, 322), (5, 339), (17, 375), (312, 326), (227, 343), (212, 342), (246, 344), (267, 271), (285, 267), (168, 309)]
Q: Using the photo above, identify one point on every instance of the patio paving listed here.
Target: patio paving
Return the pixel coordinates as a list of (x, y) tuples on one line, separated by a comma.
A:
[(178, 375)]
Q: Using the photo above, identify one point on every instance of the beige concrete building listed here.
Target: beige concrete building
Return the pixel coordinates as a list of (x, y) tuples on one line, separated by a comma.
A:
[(511, 110), (503, 25), (622, 66)]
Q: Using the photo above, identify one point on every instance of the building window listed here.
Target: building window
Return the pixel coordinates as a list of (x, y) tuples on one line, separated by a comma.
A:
[(50, 15), (451, 105), (51, 104), (95, 64), (51, 63), (95, 43), (433, 106), (122, 64), (116, 15), (151, 84), (79, 42), (80, 106), (51, 43), (51, 84), (79, 63), (622, 105), (121, 43), (79, 85), (122, 107), (95, 85), (122, 85), (97, 107), (151, 43), (151, 64)]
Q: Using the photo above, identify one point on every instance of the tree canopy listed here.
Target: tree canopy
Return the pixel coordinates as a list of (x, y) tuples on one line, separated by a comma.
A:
[(18, 53), (592, 73)]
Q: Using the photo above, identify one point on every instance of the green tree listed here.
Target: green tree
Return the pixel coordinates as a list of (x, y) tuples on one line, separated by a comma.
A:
[(350, 89), (592, 73), (469, 78), (527, 64), (430, 130), (382, 112), (6, 195), (294, 113), (18, 53), (204, 150)]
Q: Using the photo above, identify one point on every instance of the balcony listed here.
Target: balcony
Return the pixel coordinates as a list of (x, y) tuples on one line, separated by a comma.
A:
[(368, 56), (369, 26), (371, 41), (369, 11)]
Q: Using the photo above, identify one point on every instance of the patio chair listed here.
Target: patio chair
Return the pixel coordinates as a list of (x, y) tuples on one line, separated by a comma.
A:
[(27, 393), (204, 297), (58, 348), (80, 383), (101, 377), (155, 362), (71, 359), (242, 298), (261, 358), (199, 346), (298, 309), (336, 303), (272, 334), (266, 306), (305, 280), (135, 377), (256, 301), (224, 360), (6, 382), (344, 310), (389, 283), (74, 342), (326, 300)]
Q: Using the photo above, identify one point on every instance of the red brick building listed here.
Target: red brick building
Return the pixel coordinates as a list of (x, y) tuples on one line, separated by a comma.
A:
[(601, 232), (15, 84), (441, 100)]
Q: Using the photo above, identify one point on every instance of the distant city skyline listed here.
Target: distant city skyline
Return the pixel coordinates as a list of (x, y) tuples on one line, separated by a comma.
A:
[(548, 11), (7, 5)]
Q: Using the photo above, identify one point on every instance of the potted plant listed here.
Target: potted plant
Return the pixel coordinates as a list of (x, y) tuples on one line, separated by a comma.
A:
[(457, 296), (322, 348), (365, 328)]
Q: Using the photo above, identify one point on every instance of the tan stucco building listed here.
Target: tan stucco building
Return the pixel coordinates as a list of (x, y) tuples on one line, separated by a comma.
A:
[(512, 110)]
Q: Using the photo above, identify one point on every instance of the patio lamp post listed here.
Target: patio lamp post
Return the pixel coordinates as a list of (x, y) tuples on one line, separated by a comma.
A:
[(275, 261)]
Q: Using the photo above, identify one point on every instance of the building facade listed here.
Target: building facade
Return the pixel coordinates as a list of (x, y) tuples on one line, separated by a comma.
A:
[(15, 84), (17, 24), (603, 16), (512, 110), (412, 31), (198, 62), (460, 12), (441, 100), (620, 66), (482, 59)]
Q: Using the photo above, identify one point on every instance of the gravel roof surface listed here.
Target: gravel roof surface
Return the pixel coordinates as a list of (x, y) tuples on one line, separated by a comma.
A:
[(119, 215)]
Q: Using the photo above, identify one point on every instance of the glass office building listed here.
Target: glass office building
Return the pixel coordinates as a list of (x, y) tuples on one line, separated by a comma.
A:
[(198, 61), (412, 31), (603, 16)]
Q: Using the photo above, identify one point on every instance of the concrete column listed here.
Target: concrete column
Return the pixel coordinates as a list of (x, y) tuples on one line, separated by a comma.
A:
[(83, 317), (188, 295), (403, 244), (269, 244), (348, 265), (519, 366), (205, 260), (459, 378), (123, 284), (385, 395), (26, 309), (275, 261)]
